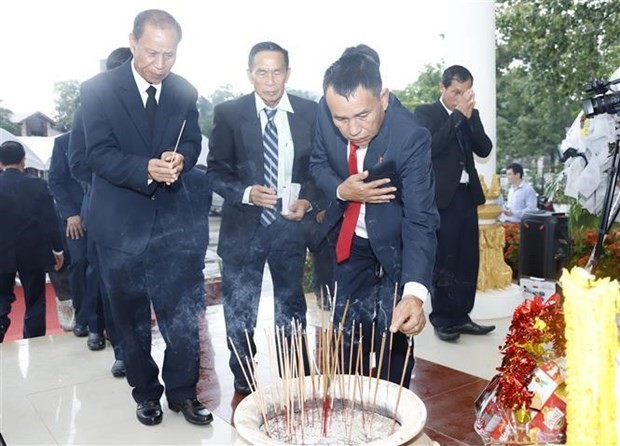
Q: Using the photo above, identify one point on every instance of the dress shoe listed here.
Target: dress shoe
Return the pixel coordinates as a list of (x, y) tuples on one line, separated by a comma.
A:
[(95, 341), (80, 330), (149, 412), (118, 368), (193, 411), (474, 329), (447, 333)]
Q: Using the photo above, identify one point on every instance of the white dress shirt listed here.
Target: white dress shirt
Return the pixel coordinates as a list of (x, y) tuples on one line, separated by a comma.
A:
[(411, 288), (286, 148)]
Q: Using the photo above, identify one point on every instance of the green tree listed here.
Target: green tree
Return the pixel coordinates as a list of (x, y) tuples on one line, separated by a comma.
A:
[(424, 90), (206, 106), (546, 51), (205, 115), (5, 120), (223, 94), (67, 99)]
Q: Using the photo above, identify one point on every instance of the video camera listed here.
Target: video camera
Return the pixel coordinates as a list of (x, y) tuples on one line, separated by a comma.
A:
[(601, 102)]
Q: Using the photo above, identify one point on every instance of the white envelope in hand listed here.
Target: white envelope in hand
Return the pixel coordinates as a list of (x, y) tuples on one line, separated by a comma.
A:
[(290, 194)]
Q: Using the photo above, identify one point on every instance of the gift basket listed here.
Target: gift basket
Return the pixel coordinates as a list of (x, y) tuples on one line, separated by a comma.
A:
[(558, 380)]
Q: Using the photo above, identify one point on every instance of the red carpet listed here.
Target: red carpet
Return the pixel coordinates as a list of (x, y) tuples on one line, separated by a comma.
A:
[(17, 314)]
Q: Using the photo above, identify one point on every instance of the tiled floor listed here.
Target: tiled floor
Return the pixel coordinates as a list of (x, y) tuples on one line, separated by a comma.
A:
[(54, 391)]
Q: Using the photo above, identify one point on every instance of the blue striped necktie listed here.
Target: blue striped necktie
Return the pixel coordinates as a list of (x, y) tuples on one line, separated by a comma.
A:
[(270, 163)]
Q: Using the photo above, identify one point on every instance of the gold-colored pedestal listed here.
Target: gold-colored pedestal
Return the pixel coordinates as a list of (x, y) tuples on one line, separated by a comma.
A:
[(494, 273)]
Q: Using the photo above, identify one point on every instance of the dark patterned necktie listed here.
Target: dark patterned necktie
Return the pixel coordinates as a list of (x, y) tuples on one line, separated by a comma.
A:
[(270, 163), (151, 106), (351, 214)]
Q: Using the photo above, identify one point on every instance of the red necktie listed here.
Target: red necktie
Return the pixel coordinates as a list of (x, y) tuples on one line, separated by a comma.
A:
[(351, 214)]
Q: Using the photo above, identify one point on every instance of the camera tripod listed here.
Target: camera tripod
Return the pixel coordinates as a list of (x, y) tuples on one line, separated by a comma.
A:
[(610, 210)]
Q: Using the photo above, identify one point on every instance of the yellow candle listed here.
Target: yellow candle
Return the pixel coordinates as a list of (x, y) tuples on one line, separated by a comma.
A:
[(590, 308)]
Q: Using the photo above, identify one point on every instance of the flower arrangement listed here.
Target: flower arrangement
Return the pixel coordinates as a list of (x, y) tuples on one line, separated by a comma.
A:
[(609, 261), (525, 402), (511, 247), (582, 245)]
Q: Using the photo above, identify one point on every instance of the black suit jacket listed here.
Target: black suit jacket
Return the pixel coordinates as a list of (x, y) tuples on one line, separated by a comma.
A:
[(76, 153), (235, 162), (119, 145), (402, 233), (454, 141), (29, 226), (67, 191)]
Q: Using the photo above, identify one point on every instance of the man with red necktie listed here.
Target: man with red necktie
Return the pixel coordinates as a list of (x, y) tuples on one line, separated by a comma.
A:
[(372, 160)]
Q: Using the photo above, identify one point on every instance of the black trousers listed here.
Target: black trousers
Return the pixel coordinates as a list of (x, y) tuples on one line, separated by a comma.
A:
[(370, 295), (102, 316), (455, 275), (168, 275), (282, 247), (33, 282), (77, 277)]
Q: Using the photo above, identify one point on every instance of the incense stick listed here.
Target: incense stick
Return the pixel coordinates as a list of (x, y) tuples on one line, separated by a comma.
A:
[(176, 146), (402, 379)]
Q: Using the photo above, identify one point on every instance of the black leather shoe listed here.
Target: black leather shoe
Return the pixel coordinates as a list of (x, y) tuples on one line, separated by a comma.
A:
[(118, 368), (80, 330), (474, 329), (193, 411), (95, 341), (149, 412), (447, 333)]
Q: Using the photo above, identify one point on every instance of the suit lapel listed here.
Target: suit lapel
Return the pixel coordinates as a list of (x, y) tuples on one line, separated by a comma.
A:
[(251, 132), (132, 101), (298, 127)]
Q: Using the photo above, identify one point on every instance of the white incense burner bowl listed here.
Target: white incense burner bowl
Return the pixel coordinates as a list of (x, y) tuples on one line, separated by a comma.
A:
[(370, 421)]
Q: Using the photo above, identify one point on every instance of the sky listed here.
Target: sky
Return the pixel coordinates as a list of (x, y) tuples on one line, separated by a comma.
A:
[(44, 42)]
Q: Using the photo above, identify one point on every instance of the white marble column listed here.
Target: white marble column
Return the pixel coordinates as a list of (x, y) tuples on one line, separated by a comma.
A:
[(469, 40)]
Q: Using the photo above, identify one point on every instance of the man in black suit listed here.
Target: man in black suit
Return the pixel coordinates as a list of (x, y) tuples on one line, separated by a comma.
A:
[(69, 195), (372, 161), (97, 301), (457, 134), (142, 135), (30, 239), (260, 145)]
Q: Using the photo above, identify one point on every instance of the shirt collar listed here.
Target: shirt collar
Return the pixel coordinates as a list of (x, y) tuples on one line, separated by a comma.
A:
[(284, 104), (444, 106), (143, 84)]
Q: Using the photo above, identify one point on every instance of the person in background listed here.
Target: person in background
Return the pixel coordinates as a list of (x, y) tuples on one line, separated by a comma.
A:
[(97, 303), (372, 161), (521, 196), (457, 134), (142, 136), (30, 239), (68, 194), (259, 147)]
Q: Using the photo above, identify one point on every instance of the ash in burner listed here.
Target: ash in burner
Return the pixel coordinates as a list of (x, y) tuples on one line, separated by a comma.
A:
[(345, 424)]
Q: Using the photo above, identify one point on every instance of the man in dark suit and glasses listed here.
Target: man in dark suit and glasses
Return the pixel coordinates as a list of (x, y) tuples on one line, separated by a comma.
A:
[(259, 145), (30, 239), (457, 134), (372, 161), (133, 116)]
